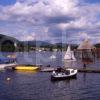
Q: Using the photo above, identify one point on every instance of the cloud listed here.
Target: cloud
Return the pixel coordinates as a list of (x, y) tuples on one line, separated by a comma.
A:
[(50, 20), (84, 36), (28, 37)]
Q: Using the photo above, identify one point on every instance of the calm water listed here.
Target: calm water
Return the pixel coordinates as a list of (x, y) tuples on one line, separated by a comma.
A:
[(37, 85)]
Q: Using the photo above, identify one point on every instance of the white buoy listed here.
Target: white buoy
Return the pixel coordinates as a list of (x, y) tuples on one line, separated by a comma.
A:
[(8, 78), (53, 57)]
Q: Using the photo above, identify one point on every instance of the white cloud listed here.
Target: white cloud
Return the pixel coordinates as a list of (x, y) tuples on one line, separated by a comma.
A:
[(29, 37), (84, 35), (52, 8), (27, 14)]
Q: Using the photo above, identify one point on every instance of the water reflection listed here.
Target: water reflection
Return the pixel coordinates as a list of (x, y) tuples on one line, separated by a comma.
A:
[(84, 77), (60, 83), (37, 86), (25, 72), (43, 58)]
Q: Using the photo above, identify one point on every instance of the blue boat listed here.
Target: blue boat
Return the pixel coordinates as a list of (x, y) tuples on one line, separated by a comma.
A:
[(7, 60)]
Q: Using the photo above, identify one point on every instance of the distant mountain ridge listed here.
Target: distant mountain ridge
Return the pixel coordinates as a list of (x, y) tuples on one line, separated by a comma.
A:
[(97, 45), (5, 37), (36, 43), (7, 44)]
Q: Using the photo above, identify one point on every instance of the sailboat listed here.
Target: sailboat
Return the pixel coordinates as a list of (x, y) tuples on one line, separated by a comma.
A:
[(69, 55), (66, 73)]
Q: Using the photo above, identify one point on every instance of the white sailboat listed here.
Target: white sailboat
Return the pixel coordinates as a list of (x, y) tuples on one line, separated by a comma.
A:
[(69, 55), (73, 56)]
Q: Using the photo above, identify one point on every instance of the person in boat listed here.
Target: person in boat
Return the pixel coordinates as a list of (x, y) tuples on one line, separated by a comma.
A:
[(67, 72), (48, 66), (59, 69)]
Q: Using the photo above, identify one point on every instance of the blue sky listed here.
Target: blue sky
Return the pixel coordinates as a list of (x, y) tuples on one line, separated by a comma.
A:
[(68, 21), (7, 2), (92, 1)]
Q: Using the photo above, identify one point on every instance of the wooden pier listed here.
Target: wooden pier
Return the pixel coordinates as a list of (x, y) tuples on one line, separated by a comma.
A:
[(5, 66), (50, 69), (85, 70), (89, 70)]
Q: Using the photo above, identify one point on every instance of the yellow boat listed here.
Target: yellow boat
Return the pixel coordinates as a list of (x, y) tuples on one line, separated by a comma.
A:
[(26, 67)]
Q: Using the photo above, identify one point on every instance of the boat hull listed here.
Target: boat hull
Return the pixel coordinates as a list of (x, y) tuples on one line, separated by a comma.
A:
[(26, 68), (64, 74), (63, 78)]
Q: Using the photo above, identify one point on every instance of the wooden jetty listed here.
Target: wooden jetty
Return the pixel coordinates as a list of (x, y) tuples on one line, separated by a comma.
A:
[(85, 70), (88, 69), (4, 66), (45, 69)]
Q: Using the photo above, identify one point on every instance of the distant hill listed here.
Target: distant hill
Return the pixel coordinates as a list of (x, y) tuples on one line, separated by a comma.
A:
[(7, 43), (60, 44), (64, 46), (5, 37), (36, 43), (97, 45)]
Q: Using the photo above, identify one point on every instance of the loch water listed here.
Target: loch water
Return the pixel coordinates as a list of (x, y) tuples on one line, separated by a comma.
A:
[(29, 85)]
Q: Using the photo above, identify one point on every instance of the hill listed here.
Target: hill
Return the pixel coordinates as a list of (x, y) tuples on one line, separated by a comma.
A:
[(7, 43), (97, 45)]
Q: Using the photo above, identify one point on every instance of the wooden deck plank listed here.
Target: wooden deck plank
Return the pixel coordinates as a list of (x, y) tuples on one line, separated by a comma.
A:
[(85, 70)]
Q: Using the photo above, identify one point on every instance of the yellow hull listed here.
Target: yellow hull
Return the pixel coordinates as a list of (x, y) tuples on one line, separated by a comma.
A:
[(29, 68)]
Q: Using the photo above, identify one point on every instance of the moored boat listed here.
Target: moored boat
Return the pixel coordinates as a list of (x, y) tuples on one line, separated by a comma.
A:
[(61, 74), (69, 55), (26, 67)]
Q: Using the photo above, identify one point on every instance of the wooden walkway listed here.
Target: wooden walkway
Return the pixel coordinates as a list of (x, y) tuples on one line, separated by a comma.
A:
[(85, 70), (3, 66), (50, 69), (89, 70)]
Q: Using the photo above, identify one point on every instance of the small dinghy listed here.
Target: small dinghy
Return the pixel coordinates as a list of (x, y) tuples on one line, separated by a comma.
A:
[(61, 74)]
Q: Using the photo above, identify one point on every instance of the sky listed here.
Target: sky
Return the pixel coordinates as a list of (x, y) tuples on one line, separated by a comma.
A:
[(67, 21)]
